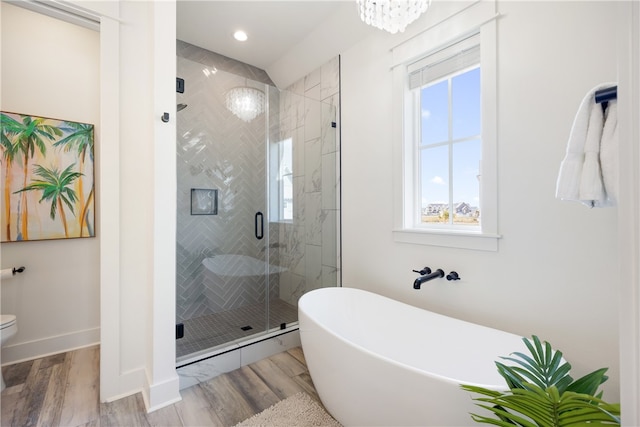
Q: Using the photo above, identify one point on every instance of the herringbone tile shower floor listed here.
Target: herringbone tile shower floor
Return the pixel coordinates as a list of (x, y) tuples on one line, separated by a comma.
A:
[(212, 330)]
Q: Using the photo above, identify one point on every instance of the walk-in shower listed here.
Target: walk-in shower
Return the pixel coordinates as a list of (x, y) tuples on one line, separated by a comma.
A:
[(257, 220)]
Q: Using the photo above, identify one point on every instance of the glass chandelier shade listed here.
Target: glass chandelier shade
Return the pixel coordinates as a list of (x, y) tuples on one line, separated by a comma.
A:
[(391, 15), (245, 102)]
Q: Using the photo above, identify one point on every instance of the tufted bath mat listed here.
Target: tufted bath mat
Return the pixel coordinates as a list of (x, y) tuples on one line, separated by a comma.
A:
[(298, 410)]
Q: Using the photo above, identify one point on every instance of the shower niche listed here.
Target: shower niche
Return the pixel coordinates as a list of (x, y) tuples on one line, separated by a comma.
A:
[(257, 199)]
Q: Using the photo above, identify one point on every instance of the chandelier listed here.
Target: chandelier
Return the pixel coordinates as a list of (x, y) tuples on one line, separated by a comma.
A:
[(391, 15), (245, 102)]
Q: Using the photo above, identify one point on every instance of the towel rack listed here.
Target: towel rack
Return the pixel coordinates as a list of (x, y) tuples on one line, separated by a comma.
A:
[(603, 96), (607, 94)]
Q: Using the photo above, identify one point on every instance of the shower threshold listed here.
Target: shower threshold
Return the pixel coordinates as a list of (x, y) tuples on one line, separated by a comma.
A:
[(217, 333), (202, 356)]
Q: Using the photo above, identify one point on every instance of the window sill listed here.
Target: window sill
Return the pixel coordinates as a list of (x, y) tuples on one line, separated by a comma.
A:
[(449, 238)]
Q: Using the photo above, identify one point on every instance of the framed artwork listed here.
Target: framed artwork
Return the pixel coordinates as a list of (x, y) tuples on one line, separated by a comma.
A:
[(204, 201), (48, 187)]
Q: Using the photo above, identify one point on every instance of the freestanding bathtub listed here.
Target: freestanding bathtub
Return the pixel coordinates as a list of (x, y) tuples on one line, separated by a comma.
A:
[(379, 362)]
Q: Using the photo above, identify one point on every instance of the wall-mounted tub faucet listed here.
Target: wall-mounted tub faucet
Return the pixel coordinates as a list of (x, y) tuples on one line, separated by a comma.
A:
[(426, 277)]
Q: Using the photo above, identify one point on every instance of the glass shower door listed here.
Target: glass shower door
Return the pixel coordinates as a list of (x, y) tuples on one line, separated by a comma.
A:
[(257, 209), (222, 233)]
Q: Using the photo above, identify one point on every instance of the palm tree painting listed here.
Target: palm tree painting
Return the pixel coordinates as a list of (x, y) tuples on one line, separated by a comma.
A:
[(48, 187)]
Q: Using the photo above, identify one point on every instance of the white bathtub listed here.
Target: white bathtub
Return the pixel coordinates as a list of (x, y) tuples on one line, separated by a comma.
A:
[(376, 361)]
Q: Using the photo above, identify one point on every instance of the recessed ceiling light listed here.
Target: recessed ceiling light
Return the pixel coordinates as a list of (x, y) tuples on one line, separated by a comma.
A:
[(240, 35)]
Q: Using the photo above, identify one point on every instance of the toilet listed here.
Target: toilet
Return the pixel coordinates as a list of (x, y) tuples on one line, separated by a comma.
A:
[(8, 328)]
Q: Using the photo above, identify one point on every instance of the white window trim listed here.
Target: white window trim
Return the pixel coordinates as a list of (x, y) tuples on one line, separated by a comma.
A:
[(479, 17)]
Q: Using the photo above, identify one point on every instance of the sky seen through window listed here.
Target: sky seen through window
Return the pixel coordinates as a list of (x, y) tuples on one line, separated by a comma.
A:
[(451, 128)]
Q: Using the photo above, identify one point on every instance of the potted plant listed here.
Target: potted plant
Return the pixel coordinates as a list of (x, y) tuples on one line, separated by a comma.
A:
[(543, 394)]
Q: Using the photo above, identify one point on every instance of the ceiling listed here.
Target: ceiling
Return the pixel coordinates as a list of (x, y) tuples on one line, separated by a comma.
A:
[(285, 37)]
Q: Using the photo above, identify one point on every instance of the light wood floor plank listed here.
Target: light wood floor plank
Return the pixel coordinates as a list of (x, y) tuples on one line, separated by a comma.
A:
[(37, 396), (280, 383), (81, 400), (53, 360), (31, 396), (164, 417), (253, 389), (94, 423), (51, 408), (298, 354), (227, 402), (62, 390), (12, 402), (304, 380), (16, 374), (195, 410), (289, 364), (128, 411), (8, 403)]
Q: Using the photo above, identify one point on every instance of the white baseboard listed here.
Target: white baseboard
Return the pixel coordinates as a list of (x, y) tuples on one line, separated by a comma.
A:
[(161, 394), (20, 352), (126, 384)]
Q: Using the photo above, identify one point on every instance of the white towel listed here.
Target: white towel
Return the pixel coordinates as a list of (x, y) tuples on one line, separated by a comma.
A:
[(591, 186), (609, 153), (580, 176)]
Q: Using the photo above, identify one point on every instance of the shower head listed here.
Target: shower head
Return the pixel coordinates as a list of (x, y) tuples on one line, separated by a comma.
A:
[(182, 107)]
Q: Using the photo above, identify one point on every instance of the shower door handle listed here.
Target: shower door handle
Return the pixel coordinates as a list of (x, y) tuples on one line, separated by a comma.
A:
[(259, 225)]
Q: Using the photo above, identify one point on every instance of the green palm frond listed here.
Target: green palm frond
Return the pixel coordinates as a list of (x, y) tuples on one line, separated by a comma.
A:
[(9, 149), (54, 186), (589, 383), (543, 394), (533, 406), (545, 367), (36, 129), (9, 125), (80, 138), (29, 134)]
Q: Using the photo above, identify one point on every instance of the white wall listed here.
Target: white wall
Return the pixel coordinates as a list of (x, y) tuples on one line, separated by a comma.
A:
[(136, 182), (629, 210), (131, 293), (50, 68), (555, 273), (138, 274)]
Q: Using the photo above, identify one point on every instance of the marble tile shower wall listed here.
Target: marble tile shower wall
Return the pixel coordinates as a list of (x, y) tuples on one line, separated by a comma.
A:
[(211, 153), (308, 246)]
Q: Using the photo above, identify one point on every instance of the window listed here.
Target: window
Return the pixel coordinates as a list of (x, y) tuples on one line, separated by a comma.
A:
[(445, 88), (281, 185), (446, 151)]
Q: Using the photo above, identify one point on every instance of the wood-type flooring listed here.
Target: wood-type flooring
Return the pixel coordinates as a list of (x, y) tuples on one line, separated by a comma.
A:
[(63, 390)]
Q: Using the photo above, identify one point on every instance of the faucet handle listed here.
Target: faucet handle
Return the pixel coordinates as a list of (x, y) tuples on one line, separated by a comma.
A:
[(422, 272), (453, 276)]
